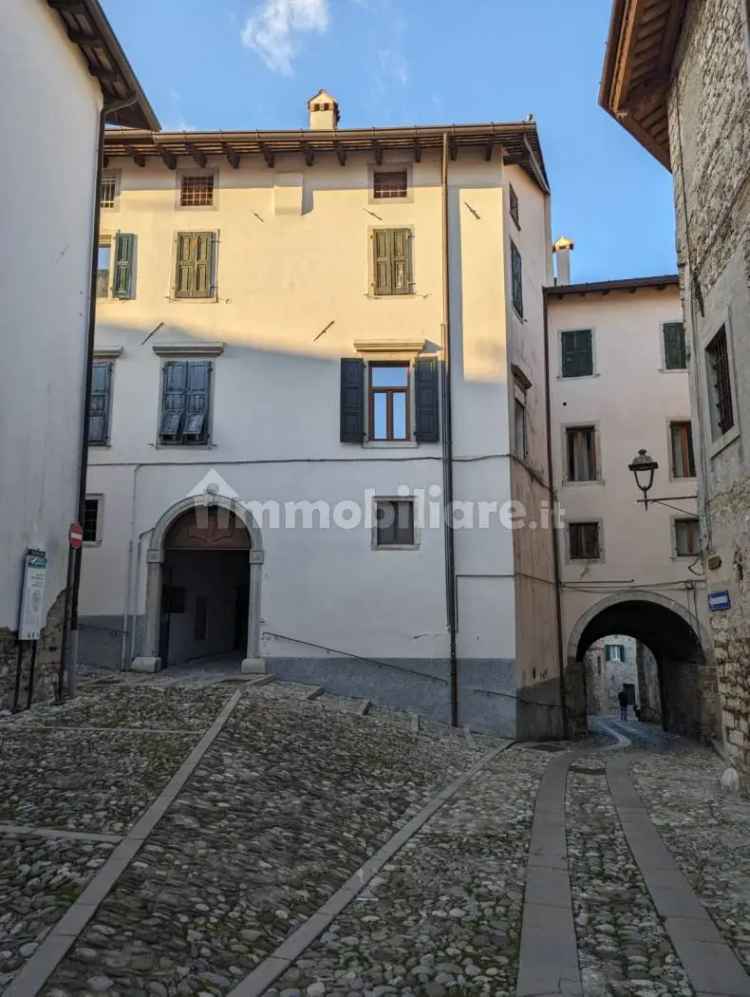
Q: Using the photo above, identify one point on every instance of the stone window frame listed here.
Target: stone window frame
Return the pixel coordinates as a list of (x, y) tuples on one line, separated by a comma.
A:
[(602, 549), (714, 446), (598, 452), (99, 497), (673, 521), (374, 528), (561, 376), (197, 171)]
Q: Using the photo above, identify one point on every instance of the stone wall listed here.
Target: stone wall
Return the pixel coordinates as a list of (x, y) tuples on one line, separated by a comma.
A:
[(46, 668), (710, 149)]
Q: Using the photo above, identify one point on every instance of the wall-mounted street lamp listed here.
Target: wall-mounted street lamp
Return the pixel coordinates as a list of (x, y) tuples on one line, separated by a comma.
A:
[(644, 467)]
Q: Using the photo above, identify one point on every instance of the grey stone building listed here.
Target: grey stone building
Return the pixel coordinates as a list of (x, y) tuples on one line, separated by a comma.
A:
[(676, 76)]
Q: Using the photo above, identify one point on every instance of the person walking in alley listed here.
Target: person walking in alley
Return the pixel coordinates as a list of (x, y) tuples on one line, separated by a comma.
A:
[(622, 699)]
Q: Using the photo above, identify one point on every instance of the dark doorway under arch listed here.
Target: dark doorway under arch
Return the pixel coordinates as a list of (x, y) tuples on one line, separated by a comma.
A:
[(686, 680)]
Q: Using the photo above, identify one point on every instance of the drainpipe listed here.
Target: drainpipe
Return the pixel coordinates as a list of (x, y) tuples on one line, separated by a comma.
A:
[(447, 439), (70, 612), (555, 540)]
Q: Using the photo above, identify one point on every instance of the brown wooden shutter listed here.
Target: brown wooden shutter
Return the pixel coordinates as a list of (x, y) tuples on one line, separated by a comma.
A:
[(382, 277), (184, 274), (401, 279)]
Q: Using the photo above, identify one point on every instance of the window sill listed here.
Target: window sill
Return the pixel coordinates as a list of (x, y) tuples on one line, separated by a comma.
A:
[(673, 370), (101, 446), (390, 444), (723, 442), (576, 377), (397, 547), (567, 483), (92, 543), (164, 445), (212, 299), (411, 296)]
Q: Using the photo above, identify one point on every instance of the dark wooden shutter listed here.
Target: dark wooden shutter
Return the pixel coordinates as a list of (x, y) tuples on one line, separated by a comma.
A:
[(426, 400), (577, 353), (195, 428), (194, 267), (122, 285), (517, 278), (204, 243), (675, 353), (382, 275), (174, 400), (184, 274), (352, 400), (99, 403), (401, 278)]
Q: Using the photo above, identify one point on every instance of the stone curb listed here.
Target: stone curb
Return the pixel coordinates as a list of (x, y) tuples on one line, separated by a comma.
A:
[(33, 976), (274, 965), (711, 965)]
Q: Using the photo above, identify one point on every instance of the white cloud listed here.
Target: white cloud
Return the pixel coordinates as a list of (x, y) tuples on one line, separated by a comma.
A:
[(393, 67), (273, 31)]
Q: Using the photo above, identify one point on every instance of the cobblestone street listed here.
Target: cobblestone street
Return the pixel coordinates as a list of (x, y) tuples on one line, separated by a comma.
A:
[(194, 834)]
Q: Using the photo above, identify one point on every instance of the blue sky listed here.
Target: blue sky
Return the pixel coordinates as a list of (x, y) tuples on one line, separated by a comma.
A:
[(233, 64)]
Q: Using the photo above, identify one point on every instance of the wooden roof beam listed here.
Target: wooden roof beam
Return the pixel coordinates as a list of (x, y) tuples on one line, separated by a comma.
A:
[(105, 75), (138, 158), (168, 158), (232, 156), (378, 150), (267, 155), (340, 153), (453, 148), (417, 151), (198, 156), (309, 154)]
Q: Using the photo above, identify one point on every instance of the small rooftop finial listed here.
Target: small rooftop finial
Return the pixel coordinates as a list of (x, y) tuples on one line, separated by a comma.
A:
[(563, 248)]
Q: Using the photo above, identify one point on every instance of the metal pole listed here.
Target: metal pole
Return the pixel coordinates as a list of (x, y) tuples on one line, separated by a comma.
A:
[(30, 695), (17, 693)]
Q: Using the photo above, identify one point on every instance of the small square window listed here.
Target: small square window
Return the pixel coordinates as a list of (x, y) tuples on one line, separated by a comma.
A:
[(394, 523), (91, 524), (197, 191), (584, 541), (108, 190), (581, 445), (687, 536), (388, 184)]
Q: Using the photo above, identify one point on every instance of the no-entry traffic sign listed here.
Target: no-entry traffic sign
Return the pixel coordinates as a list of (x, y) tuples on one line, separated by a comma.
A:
[(75, 535)]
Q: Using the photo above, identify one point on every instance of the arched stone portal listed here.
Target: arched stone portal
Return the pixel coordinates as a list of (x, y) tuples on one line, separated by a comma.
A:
[(207, 522), (687, 680)]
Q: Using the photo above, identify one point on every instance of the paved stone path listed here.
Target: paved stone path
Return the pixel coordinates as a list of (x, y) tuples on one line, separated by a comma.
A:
[(196, 835)]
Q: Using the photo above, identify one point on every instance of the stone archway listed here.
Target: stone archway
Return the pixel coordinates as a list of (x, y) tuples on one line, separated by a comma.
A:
[(150, 660), (676, 638)]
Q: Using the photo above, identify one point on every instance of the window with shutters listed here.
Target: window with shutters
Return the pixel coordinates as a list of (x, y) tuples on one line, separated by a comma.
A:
[(92, 509), (719, 385), (584, 541), (100, 402), (394, 527), (109, 189), (388, 401), (123, 270), (516, 264), (675, 347), (577, 352), (683, 456), (185, 405), (581, 453), (103, 264), (392, 261), (514, 206), (194, 273), (197, 191), (687, 537)]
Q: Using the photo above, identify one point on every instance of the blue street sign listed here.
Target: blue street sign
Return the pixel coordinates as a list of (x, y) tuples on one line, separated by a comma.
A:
[(718, 601)]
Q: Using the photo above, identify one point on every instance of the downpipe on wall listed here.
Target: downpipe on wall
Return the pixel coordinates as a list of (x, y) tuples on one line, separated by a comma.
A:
[(447, 444), (69, 643)]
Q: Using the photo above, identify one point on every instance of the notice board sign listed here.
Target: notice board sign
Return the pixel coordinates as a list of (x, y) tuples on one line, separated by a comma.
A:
[(719, 602), (31, 618)]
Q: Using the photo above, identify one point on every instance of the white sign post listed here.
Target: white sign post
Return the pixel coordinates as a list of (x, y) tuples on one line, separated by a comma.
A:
[(32, 617)]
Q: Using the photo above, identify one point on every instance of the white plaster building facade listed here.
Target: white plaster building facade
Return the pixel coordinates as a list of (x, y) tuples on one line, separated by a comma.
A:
[(618, 384), (305, 285), (50, 120)]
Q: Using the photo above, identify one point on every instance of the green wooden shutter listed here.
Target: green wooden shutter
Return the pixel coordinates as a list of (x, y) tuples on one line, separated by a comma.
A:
[(577, 353), (174, 400), (204, 242), (516, 278), (401, 277), (195, 429), (675, 353), (382, 242), (352, 400), (185, 272), (122, 285), (99, 402), (426, 400)]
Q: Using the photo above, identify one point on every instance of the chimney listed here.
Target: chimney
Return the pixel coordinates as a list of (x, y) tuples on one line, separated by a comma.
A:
[(563, 248), (324, 111)]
